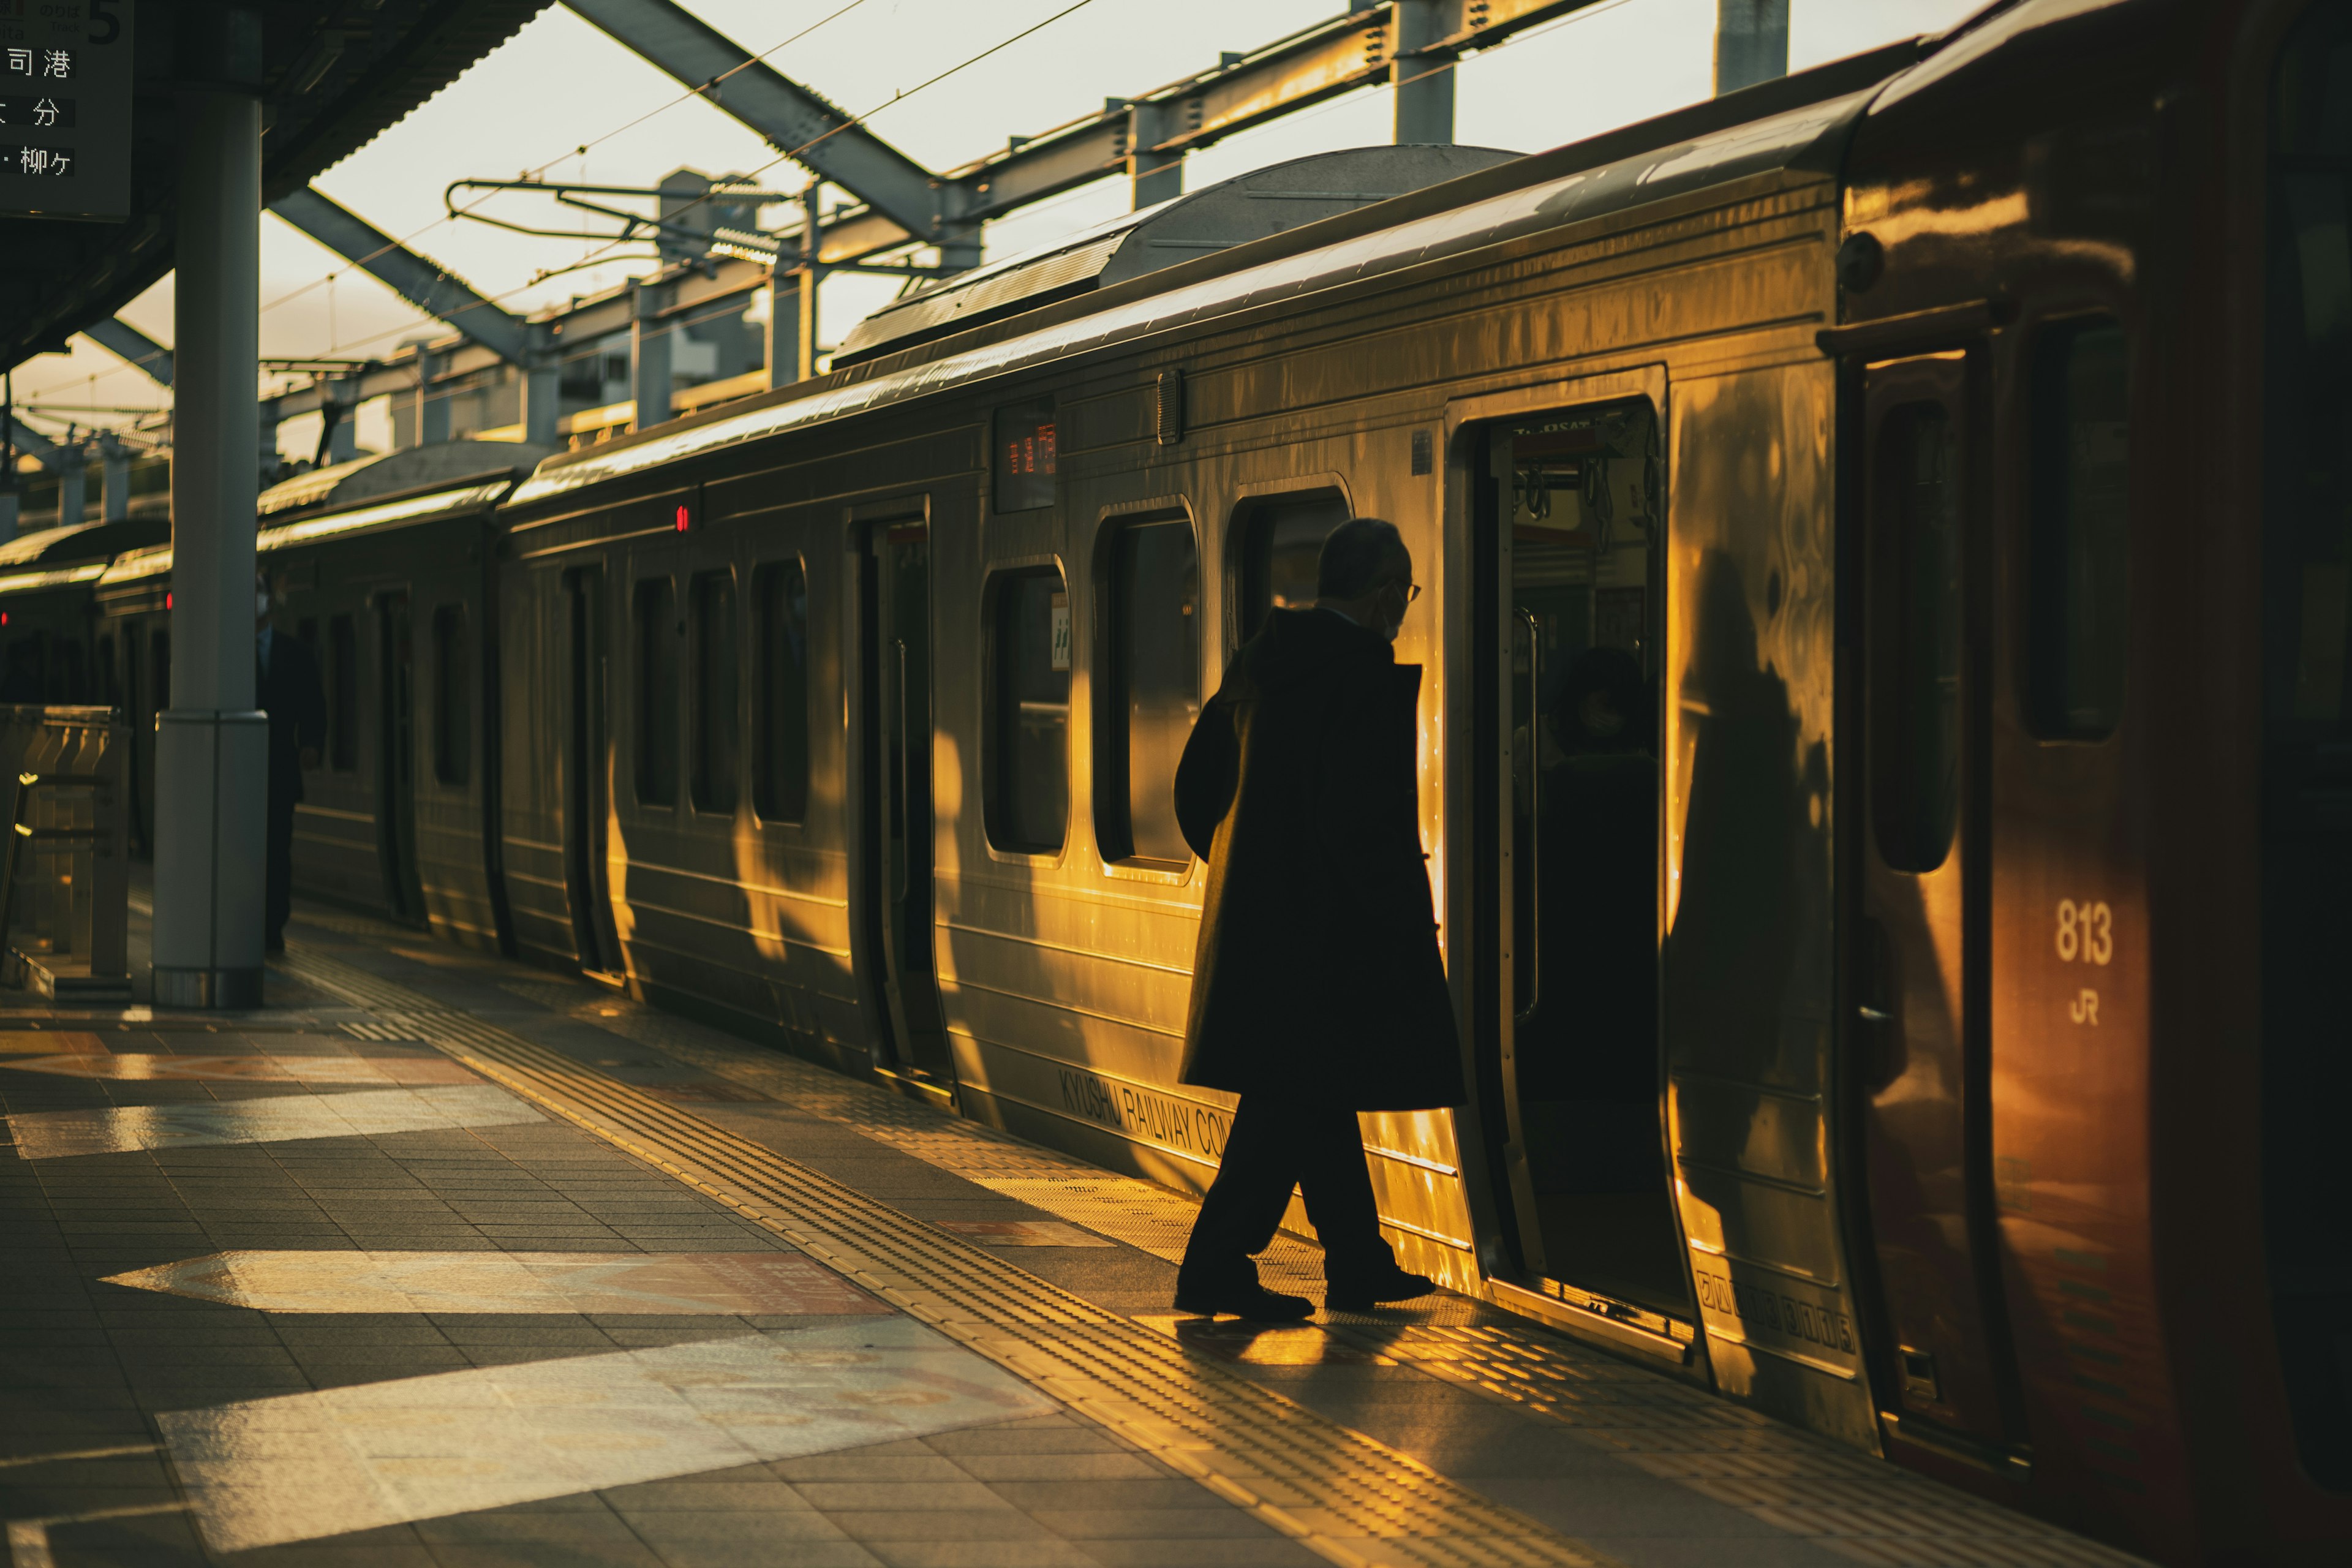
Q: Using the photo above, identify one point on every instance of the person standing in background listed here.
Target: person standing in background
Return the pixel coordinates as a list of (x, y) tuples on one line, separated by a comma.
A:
[(285, 687)]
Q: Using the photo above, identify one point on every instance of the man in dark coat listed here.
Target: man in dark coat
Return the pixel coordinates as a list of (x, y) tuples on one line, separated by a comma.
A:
[(286, 686), (1317, 991)]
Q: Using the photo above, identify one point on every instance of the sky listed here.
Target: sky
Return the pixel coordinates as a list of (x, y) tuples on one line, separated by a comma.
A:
[(561, 86)]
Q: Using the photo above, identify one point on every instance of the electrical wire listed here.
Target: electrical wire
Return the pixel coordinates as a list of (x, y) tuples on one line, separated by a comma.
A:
[(602, 253), (580, 150)]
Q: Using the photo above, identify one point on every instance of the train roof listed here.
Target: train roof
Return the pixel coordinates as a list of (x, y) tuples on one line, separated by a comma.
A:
[(396, 473), (1793, 124), (1268, 201), (74, 552), (428, 503)]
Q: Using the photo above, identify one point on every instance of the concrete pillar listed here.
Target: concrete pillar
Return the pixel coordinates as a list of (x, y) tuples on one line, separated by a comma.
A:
[(73, 485), (649, 357), (1751, 43), (1425, 82), (211, 747), (783, 326), (114, 462), (542, 403)]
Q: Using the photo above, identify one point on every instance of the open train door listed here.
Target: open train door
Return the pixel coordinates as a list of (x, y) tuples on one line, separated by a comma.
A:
[(1921, 929)]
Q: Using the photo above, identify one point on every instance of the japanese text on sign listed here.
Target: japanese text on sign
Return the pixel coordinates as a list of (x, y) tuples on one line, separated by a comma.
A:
[(65, 108)]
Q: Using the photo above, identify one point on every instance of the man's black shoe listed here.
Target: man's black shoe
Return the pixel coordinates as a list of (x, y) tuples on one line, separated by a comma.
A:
[(1362, 1296), (1248, 1299)]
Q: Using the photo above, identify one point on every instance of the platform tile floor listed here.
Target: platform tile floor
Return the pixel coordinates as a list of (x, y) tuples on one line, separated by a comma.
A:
[(441, 1260)]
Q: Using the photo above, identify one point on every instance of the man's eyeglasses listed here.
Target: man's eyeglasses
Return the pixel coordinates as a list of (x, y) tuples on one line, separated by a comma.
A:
[(1412, 590)]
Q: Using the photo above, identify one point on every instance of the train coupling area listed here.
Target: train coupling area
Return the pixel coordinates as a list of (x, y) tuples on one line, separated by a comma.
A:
[(442, 1260)]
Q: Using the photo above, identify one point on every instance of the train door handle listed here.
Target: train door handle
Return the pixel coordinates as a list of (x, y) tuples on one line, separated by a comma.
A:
[(1526, 946), (905, 800)]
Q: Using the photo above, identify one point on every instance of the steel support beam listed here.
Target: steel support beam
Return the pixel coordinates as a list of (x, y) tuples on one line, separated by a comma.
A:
[(33, 444), (649, 357), (1409, 42), (426, 284), (1751, 43), (794, 120), (120, 338), (1423, 71)]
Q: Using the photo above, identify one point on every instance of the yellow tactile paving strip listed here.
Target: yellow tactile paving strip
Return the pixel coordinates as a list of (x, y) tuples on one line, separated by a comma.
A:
[(1857, 1506), (1349, 1499)]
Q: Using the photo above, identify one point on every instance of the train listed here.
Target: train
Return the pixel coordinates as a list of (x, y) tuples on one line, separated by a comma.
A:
[(1946, 447)]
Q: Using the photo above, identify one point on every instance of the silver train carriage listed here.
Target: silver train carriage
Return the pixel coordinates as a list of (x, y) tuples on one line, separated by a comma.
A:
[(1844, 413)]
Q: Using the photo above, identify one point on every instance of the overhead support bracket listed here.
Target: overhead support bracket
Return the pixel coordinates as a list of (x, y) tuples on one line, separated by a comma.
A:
[(796, 121), (120, 338), (1413, 44), (51, 455), (424, 283)]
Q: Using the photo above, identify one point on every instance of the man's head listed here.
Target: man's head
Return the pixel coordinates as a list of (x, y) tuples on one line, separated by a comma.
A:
[(1365, 572)]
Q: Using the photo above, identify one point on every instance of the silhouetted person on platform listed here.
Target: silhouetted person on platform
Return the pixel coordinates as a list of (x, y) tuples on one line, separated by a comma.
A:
[(1317, 991), (286, 686)]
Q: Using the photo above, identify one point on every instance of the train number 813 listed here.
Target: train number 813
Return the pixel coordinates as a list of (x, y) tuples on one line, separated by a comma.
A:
[(2085, 931)]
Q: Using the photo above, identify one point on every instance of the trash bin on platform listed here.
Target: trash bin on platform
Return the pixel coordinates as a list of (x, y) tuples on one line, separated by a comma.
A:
[(65, 873)]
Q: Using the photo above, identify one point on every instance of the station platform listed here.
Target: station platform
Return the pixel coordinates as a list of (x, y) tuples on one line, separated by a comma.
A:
[(443, 1260)]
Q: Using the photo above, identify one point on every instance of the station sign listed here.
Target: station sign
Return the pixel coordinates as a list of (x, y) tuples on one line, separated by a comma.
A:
[(65, 109)]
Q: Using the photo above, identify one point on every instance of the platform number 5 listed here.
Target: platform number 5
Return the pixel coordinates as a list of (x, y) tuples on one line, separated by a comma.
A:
[(2085, 931)]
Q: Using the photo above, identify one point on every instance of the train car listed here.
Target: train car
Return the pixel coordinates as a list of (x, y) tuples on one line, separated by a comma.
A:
[(47, 614), (1949, 443), (382, 567)]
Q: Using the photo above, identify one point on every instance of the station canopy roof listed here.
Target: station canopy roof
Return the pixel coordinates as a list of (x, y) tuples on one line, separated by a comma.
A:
[(333, 76)]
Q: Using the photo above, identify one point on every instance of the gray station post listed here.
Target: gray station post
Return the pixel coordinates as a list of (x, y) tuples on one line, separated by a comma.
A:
[(212, 749)]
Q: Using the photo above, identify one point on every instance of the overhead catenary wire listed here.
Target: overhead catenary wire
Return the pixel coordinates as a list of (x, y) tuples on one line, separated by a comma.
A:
[(602, 254), (580, 150)]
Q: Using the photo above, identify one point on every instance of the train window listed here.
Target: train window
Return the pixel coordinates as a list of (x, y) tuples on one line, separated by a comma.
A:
[(342, 695), (1153, 693), (1024, 457), (1029, 731), (655, 616), (779, 778), (715, 717), (1280, 538), (453, 696), (2080, 538), (1915, 722)]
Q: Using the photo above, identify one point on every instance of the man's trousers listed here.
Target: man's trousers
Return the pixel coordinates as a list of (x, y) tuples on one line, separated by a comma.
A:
[(1277, 1147)]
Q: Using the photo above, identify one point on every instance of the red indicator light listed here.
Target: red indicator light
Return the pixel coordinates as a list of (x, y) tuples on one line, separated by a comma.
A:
[(681, 519), (3, 618), (167, 601)]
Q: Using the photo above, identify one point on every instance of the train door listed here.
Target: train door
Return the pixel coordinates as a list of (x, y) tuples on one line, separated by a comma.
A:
[(1573, 536), (586, 773), (395, 820), (894, 667), (1921, 1041)]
